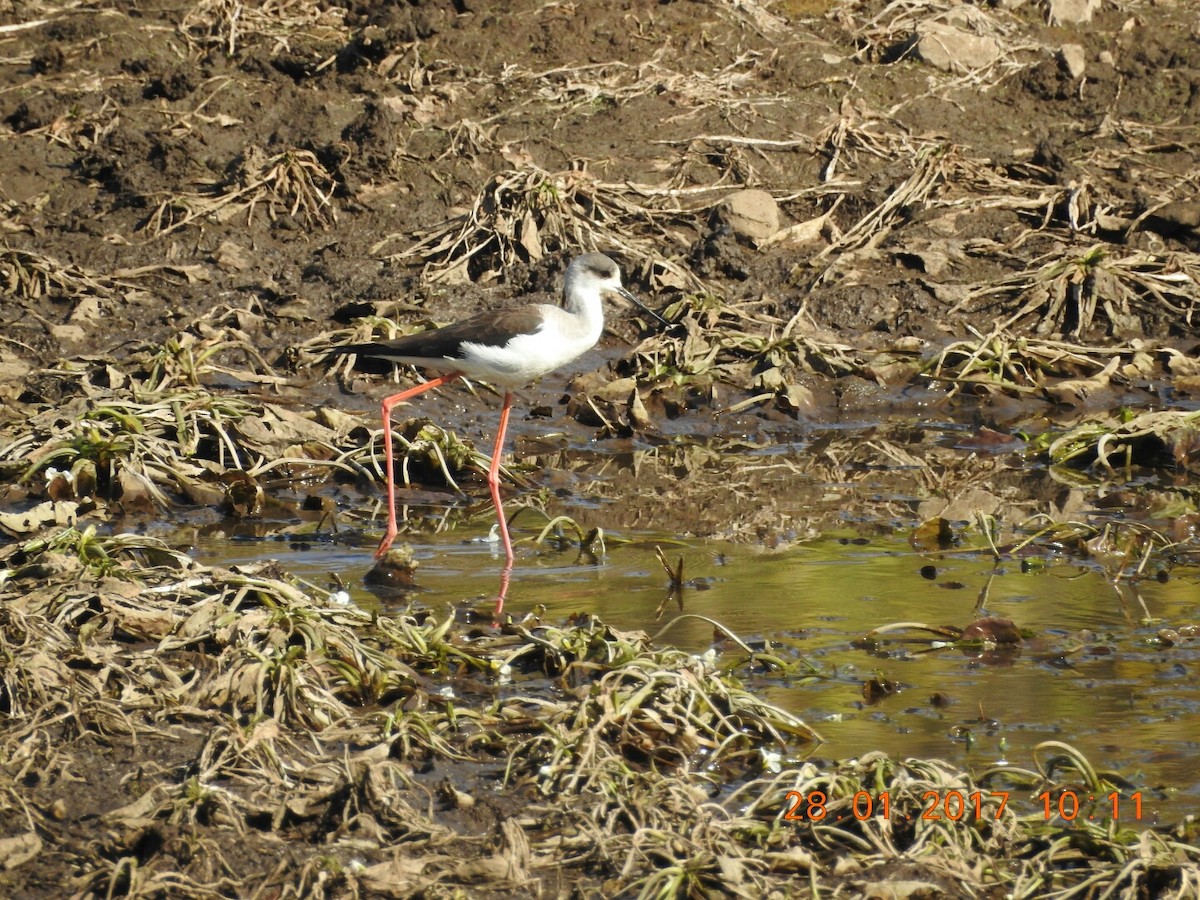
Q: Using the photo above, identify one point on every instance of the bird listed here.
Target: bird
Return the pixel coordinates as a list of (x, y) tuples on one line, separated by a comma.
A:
[(508, 348)]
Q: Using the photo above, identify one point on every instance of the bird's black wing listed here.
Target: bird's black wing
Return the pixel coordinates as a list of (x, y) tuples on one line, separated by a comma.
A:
[(492, 329)]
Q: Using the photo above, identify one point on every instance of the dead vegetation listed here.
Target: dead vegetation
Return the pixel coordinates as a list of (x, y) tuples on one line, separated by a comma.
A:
[(310, 718), (523, 215), (232, 27), (293, 183), (150, 435), (31, 276), (1071, 294), (1149, 439)]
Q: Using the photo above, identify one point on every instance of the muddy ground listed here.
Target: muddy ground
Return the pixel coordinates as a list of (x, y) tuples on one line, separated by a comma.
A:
[(985, 213)]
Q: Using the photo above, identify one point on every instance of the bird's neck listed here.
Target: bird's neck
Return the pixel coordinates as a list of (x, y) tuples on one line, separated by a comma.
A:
[(588, 310)]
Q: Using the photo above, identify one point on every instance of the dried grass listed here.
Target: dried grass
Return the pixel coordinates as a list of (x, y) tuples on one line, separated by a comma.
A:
[(29, 275), (1001, 361), (741, 344), (77, 129), (524, 214), (292, 183), (271, 684), (578, 88), (233, 27), (1071, 293), (151, 432)]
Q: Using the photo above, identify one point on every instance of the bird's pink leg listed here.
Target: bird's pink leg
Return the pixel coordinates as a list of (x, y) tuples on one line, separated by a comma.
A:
[(493, 480), (388, 404)]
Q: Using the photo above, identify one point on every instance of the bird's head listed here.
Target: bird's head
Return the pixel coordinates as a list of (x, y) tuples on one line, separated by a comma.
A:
[(597, 273)]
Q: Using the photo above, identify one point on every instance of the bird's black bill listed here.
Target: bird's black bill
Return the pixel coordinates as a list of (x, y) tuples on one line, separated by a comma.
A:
[(642, 306)]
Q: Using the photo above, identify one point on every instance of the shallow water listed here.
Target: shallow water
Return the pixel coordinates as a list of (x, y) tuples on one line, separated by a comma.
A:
[(1089, 673)]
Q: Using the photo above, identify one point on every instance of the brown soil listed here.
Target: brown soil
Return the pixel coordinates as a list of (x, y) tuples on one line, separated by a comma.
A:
[(179, 169), (412, 108)]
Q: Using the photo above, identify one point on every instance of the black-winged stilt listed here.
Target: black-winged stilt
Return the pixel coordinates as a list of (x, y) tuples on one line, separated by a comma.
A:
[(508, 348)]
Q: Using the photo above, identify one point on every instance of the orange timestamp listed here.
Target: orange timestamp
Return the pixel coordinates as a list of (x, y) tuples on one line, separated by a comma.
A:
[(952, 805)]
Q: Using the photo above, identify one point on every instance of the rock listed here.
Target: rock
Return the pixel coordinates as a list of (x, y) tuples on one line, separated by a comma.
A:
[(86, 312), (69, 334), (1107, 58), (751, 213), (1072, 12), (954, 50), (232, 258), (1073, 60), (961, 508), (17, 850), (1180, 214), (1179, 219)]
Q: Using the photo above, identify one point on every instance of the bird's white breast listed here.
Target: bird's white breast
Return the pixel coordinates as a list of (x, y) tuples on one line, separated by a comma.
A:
[(562, 338)]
